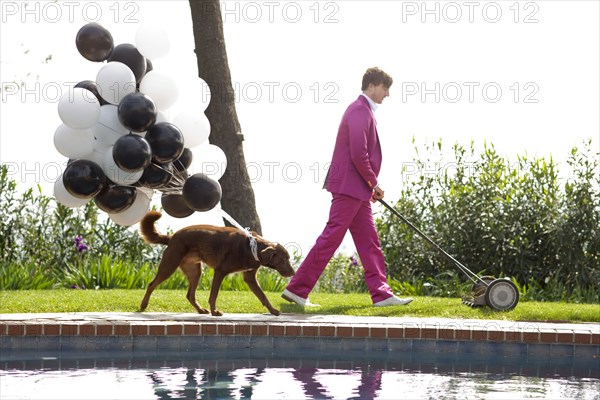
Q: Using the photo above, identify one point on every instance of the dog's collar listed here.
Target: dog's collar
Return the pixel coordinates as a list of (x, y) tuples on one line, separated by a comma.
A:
[(253, 246), (253, 243)]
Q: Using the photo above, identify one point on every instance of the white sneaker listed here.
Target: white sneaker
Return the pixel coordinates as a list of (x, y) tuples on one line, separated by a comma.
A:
[(292, 298), (393, 301)]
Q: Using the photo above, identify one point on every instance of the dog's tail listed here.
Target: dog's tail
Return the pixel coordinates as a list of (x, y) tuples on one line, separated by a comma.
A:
[(148, 230)]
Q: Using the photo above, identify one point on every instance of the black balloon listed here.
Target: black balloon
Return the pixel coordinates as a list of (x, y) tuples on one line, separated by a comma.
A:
[(149, 66), (117, 198), (156, 176), (94, 42), (166, 141), (201, 193), (137, 112), (184, 161), (132, 153), (92, 87), (84, 179), (129, 55), (175, 205)]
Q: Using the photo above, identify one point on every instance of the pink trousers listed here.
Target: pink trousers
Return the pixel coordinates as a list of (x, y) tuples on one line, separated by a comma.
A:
[(346, 213)]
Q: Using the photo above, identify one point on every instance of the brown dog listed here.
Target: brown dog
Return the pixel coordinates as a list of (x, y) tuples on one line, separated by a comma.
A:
[(224, 249)]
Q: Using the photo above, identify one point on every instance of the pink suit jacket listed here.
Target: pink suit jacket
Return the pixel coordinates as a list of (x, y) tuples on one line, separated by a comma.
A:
[(357, 156)]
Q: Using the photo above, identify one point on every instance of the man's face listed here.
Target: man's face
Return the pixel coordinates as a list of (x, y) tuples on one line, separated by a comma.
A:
[(378, 93)]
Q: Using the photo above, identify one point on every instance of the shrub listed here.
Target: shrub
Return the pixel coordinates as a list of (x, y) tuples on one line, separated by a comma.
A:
[(39, 234), (500, 219), (343, 274)]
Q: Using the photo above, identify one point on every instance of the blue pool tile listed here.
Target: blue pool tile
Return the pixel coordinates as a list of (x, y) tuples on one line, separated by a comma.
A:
[(538, 349), (190, 343), (215, 342), (446, 346), (515, 349), (424, 346), (467, 347), (349, 344), (21, 343), (120, 343), (168, 343), (261, 342), (491, 348), (400, 346), (48, 342), (97, 343), (144, 343), (562, 350), (72, 343), (285, 342), (590, 351), (335, 346), (378, 345), (238, 341)]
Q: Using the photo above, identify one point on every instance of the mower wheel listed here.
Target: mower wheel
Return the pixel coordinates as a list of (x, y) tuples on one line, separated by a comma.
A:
[(502, 295)]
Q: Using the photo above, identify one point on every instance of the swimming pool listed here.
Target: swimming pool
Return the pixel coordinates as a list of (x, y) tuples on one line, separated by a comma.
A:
[(168, 355), (249, 373)]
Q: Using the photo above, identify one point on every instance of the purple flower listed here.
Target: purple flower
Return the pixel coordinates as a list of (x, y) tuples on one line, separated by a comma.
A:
[(80, 247), (353, 261)]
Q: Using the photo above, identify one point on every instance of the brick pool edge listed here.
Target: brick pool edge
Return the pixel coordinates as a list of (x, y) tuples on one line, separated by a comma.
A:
[(184, 331)]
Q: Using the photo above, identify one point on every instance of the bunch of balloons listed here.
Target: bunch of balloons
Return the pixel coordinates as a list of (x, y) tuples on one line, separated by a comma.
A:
[(120, 142)]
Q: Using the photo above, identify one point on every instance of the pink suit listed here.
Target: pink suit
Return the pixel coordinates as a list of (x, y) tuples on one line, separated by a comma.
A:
[(351, 178)]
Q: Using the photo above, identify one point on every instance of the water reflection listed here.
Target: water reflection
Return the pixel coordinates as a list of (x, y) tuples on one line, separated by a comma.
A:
[(247, 383), (205, 376)]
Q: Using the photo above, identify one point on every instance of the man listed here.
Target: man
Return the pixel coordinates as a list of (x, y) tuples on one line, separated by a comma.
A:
[(352, 181)]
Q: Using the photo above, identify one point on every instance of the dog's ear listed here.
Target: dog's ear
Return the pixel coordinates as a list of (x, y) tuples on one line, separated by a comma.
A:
[(267, 254)]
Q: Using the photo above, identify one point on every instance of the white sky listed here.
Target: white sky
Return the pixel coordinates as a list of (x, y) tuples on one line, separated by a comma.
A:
[(521, 75)]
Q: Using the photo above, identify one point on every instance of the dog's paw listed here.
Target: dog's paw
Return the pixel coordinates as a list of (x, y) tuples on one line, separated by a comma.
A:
[(216, 313), (203, 311), (275, 311)]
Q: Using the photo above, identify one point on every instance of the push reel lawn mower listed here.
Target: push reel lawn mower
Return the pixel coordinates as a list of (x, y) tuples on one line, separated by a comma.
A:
[(498, 294)]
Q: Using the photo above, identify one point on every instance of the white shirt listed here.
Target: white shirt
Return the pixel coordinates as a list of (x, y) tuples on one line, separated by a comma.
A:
[(371, 102)]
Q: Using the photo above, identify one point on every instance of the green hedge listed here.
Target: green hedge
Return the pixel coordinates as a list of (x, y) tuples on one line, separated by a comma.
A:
[(516, 220), (38, 237)]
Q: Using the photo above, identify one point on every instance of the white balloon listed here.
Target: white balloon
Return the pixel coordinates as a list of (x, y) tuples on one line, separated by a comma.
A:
[(210, 160), (73, 143), (116, 174), (64, 197), (102, 148), (202, 92), (115, 80), (79, 108), (96, 156), (148, 192), (195, 91), (161, 88), (109, 129), (152, 41), (162, 116), (134, 213), (194, 126)]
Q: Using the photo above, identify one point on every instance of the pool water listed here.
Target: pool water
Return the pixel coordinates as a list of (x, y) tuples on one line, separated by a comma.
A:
[(210, 376)]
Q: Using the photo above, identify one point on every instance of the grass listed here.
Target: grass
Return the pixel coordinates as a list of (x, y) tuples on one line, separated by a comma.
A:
[(117, 300)]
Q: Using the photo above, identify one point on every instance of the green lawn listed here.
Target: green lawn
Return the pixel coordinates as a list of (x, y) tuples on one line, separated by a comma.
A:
[(66, 300)]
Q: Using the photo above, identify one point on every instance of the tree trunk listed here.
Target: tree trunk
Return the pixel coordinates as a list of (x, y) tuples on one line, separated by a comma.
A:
[(238, 196)]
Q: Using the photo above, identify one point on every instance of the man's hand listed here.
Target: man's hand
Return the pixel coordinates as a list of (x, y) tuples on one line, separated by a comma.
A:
[(377, 194)]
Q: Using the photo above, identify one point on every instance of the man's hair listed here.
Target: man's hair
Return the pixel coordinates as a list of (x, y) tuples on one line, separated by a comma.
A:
[(376, 77)]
